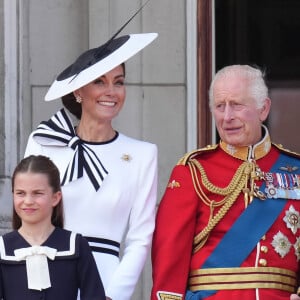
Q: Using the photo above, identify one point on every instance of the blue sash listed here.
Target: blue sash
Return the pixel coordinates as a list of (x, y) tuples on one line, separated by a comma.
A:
[(227, 254)]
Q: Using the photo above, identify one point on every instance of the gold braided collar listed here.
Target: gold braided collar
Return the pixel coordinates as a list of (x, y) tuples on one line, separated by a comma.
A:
[(255, 152)]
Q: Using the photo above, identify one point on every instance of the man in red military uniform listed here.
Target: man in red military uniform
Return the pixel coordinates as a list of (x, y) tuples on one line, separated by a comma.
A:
[(228, 226)]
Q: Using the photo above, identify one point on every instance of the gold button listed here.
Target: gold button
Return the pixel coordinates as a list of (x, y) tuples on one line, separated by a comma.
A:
[(264, 249), (263, 262), (263, 237)]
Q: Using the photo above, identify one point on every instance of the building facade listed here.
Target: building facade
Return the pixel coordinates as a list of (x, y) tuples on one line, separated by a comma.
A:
[(39, 38), (167, 82)]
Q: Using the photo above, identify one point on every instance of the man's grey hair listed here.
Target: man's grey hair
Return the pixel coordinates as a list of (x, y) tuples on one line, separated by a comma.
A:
[(255, 77)]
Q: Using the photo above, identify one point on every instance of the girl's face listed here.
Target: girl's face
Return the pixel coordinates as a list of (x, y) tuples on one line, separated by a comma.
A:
[(34, 198), (103, 98)]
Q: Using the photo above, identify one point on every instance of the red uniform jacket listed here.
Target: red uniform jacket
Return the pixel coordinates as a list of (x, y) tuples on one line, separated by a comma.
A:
[(182, 214)]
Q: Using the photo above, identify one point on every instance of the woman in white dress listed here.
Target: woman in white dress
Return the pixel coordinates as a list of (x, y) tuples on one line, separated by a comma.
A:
[(109, 180)]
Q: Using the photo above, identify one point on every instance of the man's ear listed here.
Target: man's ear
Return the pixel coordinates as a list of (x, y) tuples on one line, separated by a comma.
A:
[(265, 110)]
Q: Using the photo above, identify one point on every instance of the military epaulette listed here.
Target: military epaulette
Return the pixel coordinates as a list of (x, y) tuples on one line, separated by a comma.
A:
[(183, 160), (289, 152)]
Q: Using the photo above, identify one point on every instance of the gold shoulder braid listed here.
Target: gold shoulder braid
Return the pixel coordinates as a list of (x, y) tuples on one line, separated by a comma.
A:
[(282, 149), (184, 160), (244, 176)]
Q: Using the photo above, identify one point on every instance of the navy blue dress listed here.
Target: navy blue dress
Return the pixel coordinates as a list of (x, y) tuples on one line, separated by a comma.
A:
[(73, 269)]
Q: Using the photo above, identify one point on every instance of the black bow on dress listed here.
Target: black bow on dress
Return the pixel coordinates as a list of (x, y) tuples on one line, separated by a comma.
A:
[(59, 131)]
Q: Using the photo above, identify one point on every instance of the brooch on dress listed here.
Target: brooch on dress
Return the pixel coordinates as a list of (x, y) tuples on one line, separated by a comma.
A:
[(126, 157)]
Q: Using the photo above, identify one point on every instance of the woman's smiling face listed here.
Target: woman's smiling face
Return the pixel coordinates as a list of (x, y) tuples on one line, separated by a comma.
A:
[(103, 98)]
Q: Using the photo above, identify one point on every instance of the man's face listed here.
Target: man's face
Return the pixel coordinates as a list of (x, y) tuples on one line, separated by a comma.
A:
[(237, 117)]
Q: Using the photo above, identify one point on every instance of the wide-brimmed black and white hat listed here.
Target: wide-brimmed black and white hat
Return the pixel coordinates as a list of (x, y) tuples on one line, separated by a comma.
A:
[(96, 62)]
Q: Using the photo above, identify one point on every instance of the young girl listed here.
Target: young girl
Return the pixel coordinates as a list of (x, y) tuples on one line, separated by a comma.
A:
[(39, 259)]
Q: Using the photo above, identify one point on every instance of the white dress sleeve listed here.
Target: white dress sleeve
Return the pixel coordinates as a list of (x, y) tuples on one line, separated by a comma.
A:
[(33, 148), (139, 236)]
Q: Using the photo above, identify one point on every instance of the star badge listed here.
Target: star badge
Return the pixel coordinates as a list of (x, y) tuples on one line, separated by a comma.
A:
[(281, 244), (292, 219)]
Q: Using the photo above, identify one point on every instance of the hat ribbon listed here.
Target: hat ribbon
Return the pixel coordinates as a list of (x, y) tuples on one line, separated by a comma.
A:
[(59, 131), (106, 45), (37, 268)]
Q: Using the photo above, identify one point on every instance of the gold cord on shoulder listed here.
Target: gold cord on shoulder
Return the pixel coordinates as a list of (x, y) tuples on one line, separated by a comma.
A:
[(245, 174)]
